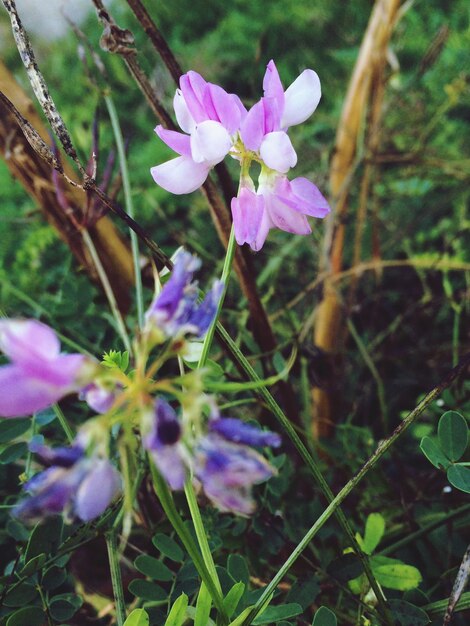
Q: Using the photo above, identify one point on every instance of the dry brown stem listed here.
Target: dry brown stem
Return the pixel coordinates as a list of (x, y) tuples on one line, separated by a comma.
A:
[(34, 174), (329, 317)]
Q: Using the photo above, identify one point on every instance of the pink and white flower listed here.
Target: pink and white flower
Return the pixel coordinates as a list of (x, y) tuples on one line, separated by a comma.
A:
[(211, 118)]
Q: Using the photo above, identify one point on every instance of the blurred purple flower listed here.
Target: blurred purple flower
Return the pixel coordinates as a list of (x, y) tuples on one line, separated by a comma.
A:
[(81, 487), (237, 431), (99, 398), (175, 311), (227, 472), (39, 374), (163, 443), (211, 118)]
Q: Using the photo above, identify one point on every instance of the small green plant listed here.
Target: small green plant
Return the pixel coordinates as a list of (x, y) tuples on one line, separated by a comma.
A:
[(448, 448), (390, 573)]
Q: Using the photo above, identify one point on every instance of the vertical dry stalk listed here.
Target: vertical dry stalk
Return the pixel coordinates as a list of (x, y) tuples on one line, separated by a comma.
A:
[(329, 319), (35, 177)]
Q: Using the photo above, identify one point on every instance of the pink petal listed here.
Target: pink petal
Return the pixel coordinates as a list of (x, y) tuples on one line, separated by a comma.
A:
[(180, 175), (210, 142), (67, 371), (178, 142), (247, 213), (309, 199), (301, 99), (264, 228), (272, 86), (21, 396), (26, 340), (277, 152), (224, 106), (183, 116), (286, 218), (252, 127), (192, 87)]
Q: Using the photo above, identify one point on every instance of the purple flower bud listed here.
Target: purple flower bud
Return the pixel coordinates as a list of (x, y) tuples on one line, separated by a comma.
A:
[(237, 431), (163, 443), (175, 311), (39, 374)]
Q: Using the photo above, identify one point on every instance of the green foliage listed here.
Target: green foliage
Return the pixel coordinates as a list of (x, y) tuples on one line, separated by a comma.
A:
[(451, 444), (138, 617), (324, 617), (115, 358)]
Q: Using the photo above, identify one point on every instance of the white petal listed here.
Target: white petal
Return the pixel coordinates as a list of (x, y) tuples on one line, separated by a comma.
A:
[(180, 175), (301, 99), (183, 116), (210, 142), (277, 152)]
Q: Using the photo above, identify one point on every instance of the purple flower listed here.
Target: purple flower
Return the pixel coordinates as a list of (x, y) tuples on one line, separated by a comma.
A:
[(211, 117), (163, 443), (81, 487), (237, 431), (175, 311), (263, 129), (98, 397), (227, 472), (278, 203), (39, 374)]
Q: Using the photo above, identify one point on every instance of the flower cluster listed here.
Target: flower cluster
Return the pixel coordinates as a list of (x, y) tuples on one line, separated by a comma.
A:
[(216, 124), (216, 452)]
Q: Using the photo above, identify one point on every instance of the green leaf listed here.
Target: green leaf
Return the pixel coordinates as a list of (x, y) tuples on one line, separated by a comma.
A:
[(324, 617), (13, 452), (407, 614), (33, 565), (238, 621), (433, 453), (13, 428), (459, 477), (203, 606), (237, 568), (177, 615), (147, 590), (375, 528), (27, 616), (168, 547), (153, 568), (345, 567), (276, 613), (453, 434), (394, 574), (233, 597), (53, 578), (45, 537), (64, 606), (21, 595), (138, 617), (304, 592)]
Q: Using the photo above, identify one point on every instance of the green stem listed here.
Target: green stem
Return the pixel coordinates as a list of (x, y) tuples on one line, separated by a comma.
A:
[(312, 465), (108, 290), (168, 505), (346, 490), (129, 205), (116, 580), (231, 247), (201, 533), (63, 422), (424, 530), (373, 370)]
